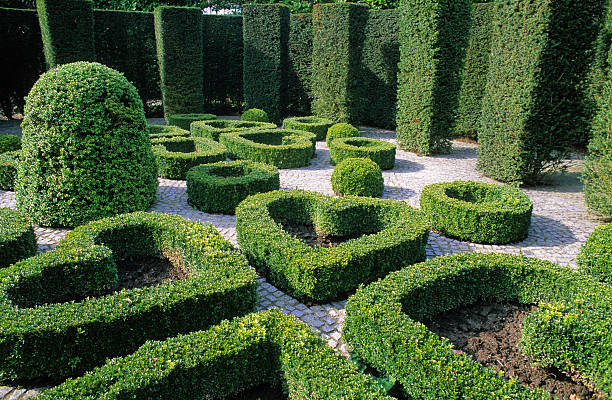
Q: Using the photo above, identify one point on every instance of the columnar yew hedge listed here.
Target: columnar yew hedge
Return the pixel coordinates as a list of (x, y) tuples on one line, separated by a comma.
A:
[(433, 40), (300, 64), (266, 58), (178, 31)]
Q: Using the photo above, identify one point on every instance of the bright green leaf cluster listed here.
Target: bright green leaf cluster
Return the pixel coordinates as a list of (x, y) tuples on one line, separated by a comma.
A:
[(595, 256), (358, 177), (340, 130)]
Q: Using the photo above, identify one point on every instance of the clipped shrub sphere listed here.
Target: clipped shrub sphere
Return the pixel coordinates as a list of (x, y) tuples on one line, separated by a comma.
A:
[(595, 257), (9, 143), (358, 177), (341, 130), (86, 153), (255, 114)]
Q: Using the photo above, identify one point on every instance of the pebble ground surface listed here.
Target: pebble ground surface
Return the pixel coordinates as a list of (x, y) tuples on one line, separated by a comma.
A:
[(560, 223)]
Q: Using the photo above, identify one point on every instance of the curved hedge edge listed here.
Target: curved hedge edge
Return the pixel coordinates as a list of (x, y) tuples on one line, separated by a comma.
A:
[(184, 121), (358, 177), (212, 129), (595, 257), (8, 169), (379, 151), (175, 155), (340, 130), (255, 115), (164, 131), (17, 238), (316, 125), (9, 143)]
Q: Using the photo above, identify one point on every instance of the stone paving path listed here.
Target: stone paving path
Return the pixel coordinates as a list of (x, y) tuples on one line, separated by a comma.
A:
[(560, 222)]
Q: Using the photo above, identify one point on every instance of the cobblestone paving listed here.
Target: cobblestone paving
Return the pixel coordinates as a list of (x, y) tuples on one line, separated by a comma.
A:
[(560, 223)]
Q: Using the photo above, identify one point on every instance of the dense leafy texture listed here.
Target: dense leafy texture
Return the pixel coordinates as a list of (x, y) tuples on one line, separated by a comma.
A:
[(8, 169), (184, 121), (17, 239), (213, 129), (394, 235), (358, 177), (379, 151), (177, 155), (595, 256), (166, 131), (9, 143), (86, 152), (318, 126), (255, 115), (300, 64), (341, 130)]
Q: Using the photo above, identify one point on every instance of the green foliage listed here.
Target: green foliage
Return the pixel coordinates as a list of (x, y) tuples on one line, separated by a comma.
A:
[(53, 290), (318, 126), (595, 256), (166, 131), (394, 235), (220, 187), (184, 121), (178, 31), (212, 129), (8, 169), (86, 152), (433, 40), (338, 31), (478, 212), (177, 155), (282, 148), (300, 64), (358, 177), (341, 130), (17, 239), (9, 143), (383, 322), (533, 105), (266, 58), (379, 151), (255, 115)]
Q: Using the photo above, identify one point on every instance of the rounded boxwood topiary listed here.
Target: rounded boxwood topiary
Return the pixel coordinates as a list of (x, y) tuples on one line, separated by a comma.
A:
[(255, 114), (477, 211), (184, 121), (212, 129), (318, 126), (220, 187), (341, 130), (358, 177), (379, 151), (176, 155), (8, 169), (86, 153), (165, 131), (595, 256), (17, 239), (9, 143)]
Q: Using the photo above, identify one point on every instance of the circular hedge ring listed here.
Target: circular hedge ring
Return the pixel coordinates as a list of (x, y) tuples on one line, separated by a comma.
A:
[(8, 169), (164, 131), (282, 148), (379, 151), (177, 155), (478, 212), (184, 121), (220, 187), (318, 126), (358, 177), (341, 130), (212, 129), (17, 239), (9, 143), (595, 256)]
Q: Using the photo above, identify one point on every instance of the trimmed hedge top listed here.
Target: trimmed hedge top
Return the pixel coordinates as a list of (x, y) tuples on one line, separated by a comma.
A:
[(358, 177), (9, 143), (318, 126), (176, 155), (184, 121), (255, 115), (166, 131), (379, 151), (341, 130), (17, 239), (212, 129), (595, 256)]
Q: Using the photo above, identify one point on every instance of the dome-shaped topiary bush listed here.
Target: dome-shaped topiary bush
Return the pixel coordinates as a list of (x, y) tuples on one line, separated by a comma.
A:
[(341, 130), (86, 153), (595, 256), (9, 143), (255, 114), (358, 177)]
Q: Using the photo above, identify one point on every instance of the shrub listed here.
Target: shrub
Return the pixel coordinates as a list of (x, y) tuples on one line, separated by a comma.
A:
[(9, 143), (282, 148), (8, 169), (17, 239), (358, 177), (220, 187), (340, 130), (267, 347), (53, 290), (595, 256), (379, 151), (300, 64), (478, 212), (177, 155), (166, 131), (86, 152), (318, 126), (255, 115), (394, 236), (383, 322), (212, 129), (184, 121)]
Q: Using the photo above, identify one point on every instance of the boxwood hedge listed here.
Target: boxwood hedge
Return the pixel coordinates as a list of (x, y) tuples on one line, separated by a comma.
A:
[(341, 130), (358, 177), (267, 347), (51, 327), (17, 239), (255, 115), (9, 143), (318, 126), (176, 155), (184, 121), (220, 187), (8, 169), (166, 131), (595, 256), (394, 235), (478, 212), (379, 151), (212, 129), (383, 323)]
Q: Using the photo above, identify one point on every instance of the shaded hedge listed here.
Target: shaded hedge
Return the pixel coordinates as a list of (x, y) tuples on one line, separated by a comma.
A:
[(166, 131), (9, 143), (8, 169), (183, 121), (177, 155), (17, 239), (300, 64)]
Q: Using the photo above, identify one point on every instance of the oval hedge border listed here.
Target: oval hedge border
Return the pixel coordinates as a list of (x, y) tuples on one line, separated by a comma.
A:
[(184, 121), (477, 211), (17, 239), (318, 126), (212, 129), (595, 256), (220, 187), (282, 148), (394, 235), (45, 334), (177, 155), (382, 323), (379, 151), (8, 169), (166, 131)]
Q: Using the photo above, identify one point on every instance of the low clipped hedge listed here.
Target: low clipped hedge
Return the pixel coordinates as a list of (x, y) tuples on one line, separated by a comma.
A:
[(394, 235), (478, 212), (17, 239), (358, 177), (176, 155), (220, 187), (383, 323), (267, 347), (595, 256), (379, 151), (318, 126), (51, 327), (184, 121), (282, 148), (255, 115), (212, 129), (9, 143), (165, 131), (8, 169), (341, 130)]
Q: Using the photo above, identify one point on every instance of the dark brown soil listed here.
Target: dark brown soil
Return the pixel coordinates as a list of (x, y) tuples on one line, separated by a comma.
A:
[(309, 234), (490, 333), (261, 392), (142, 271)]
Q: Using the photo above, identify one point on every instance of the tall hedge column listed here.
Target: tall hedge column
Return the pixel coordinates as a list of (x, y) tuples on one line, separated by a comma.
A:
[(178, 31), (338, 31), (266, 58), (433, 40)]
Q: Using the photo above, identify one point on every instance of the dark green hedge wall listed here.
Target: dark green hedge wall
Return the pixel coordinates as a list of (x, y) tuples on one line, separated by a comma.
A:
[(300, 64)]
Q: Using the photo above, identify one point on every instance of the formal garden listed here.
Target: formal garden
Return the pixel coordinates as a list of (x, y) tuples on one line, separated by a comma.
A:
[(369, 200)]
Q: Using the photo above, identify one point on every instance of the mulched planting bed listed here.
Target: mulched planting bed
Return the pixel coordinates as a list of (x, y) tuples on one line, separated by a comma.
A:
[(142, 271), (311, 237)]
